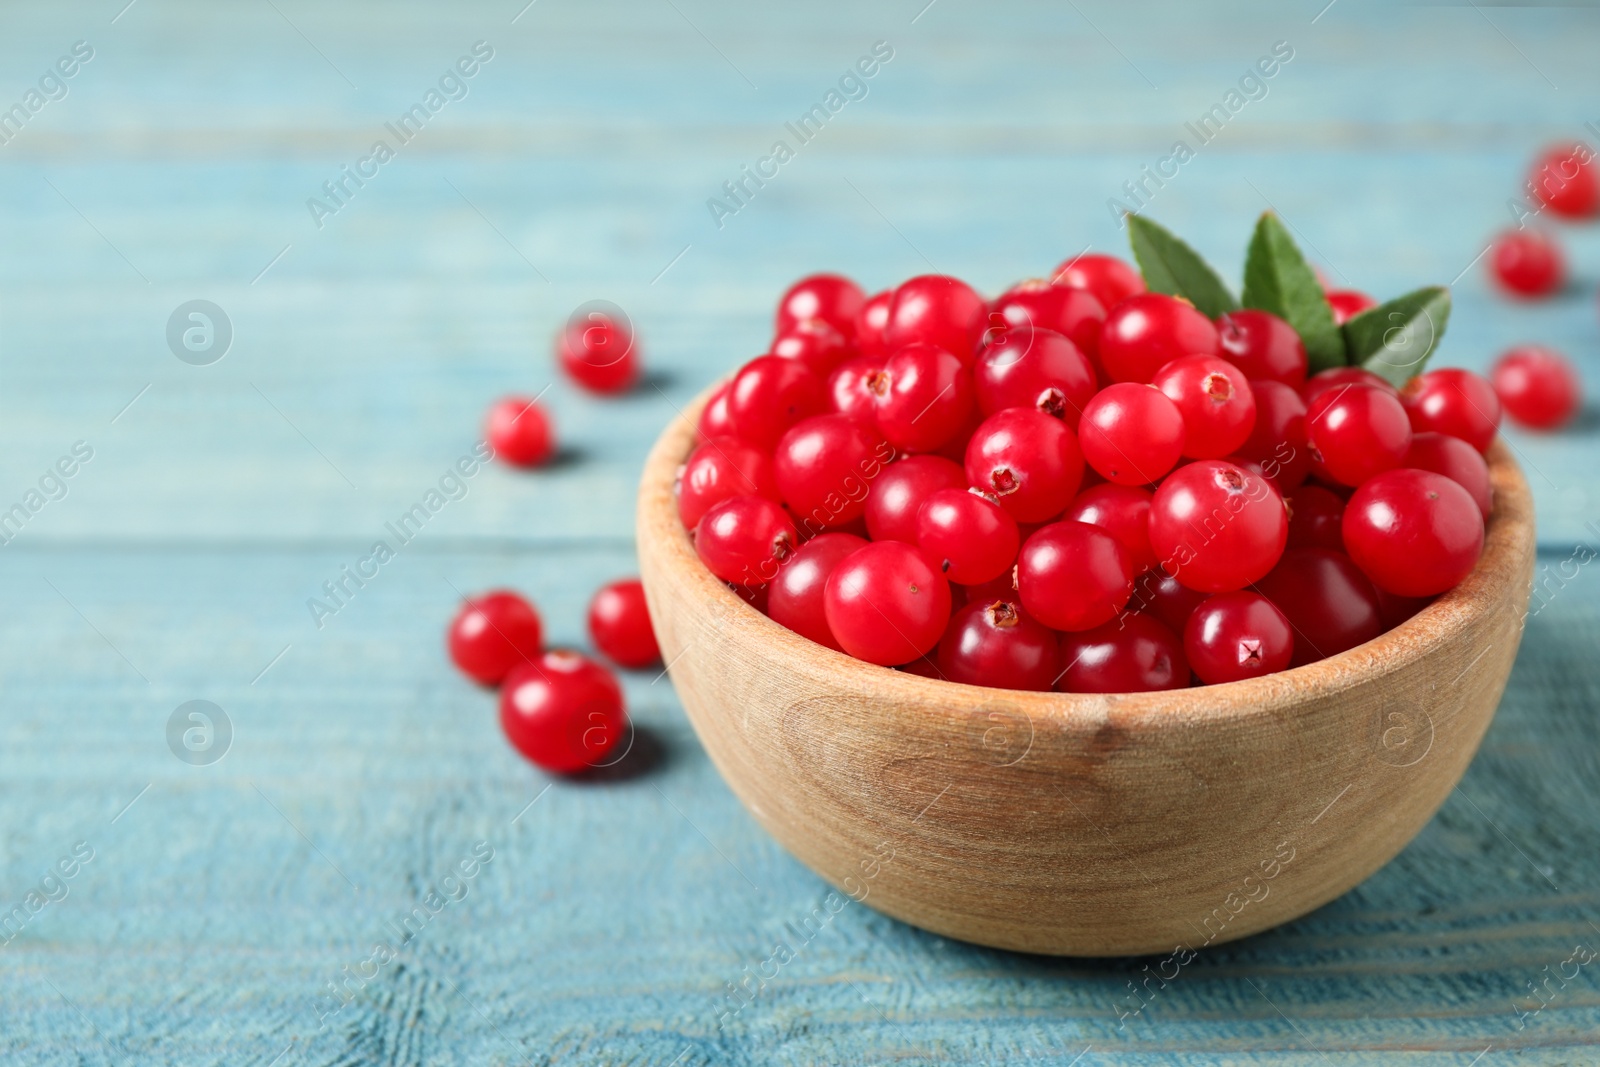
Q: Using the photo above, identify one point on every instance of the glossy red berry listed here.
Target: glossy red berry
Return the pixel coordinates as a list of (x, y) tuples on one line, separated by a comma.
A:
[(825, 466), (1347, 304), (1316, 518), (887, 604), (1131, 434), (1262, 345), (870, 324), (1145, 332), (1027, 461), (619, 624), (599, 352), (796, 597), (743, 539), (850, 388), (1217, 404), (1216, 526), (899, 491), (1564, 178), (1135, 653), (1028, 367), (1394, 610), (832, 298), (1123, 511), (1355, 432), (815, 343), (519, 432), (995, 643), (1539, 387), (1239, 635), (720, 468), (1073, 313), (1155, 592), (493, 633), (973, 539), (714, 420), (1527, 263), (1073, 576), (1278, 439), (563, 712), (922, 397), (771, 394), (1453, 401), (1413, 533), (1337, 378), (1456, 460), (938, 310), (1328, 601), (1107, 277)]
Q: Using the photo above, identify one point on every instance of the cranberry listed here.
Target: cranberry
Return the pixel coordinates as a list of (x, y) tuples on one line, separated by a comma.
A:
[(1134, 654), (850, 387), (1028, 461), (814, 343), (1073, 313), (1034, 368), (1564, 179), (1002, 588), (1456, 460), (714, 420), (995, 643), (1336, 378), (938, 310), (519, 432), (870, 323), (975, 539), (1110, 279), (1453, 401), (756, 596), (825, 465), (900, 490), (1262, 345), (832, 298), (1216, 526), (1073, 576), (887, 604), (1217, 404), (598, 352), (1355, 432), (1145, 332), (922, 397), (1538, 386), (1155, 592), (1394, 610), (1527, 263), (619, 624), (1414, 533), (796, 596), (562, 711), (1316, 517), (1233, 636), (720, 468), (1278, 440), (1122, 511), (493, 633), (1347, 304), (1131, 434), (771, 394), (1329, 602), (744, 538)]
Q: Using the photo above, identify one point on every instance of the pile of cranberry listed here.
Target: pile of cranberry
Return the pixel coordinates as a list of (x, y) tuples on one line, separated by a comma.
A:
[(1081, 485)]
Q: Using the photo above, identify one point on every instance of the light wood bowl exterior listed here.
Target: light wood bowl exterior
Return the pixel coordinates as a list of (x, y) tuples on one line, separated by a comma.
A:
[(1077, 824)]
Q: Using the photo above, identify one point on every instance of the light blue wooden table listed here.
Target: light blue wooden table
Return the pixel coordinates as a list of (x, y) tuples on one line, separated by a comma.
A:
[(218, 901)]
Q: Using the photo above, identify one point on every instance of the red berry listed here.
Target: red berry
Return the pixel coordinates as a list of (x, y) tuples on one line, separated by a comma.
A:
[(1316, 517), (974, 539), (1027, 367), (619, 624), (887, 604), (1122, 511), (797, 593), (1133, 654), (899, 491), (1453, 401), (1527, 263), (815, 343), (834, 299), (1155, 592), (1394, 610), (1107, 277), (599, 352), (1336, 378), (938, 310), (995, 643), (1131, 434), (870, 324), (1217, 404), (1456, 460), (1073, 576), (1262, 345), (1564, 179), (1073, 313), (1278, 440), (1538, 386), (1328, 601), (1216, 526), (1027, 461), (563, 712), (1347, 304), (850, 388), (720, 468), (493, 633), (1233, 636), (1414, 533), (1355, 432), (714, 420), (922, 397), (744, 538), (771, 394), (1146, 332), (519, 432), (825, 466)]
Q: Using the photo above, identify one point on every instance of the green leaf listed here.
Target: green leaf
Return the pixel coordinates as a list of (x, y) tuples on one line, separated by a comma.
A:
[(1395, 339), (1278, 279), (1172, 267)]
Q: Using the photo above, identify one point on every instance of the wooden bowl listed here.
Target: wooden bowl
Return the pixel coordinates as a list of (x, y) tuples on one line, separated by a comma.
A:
[(1077, 824)]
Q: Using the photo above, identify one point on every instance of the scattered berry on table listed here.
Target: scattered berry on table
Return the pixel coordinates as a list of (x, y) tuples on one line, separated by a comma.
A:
[(494, 632), (1527, 263), (599, 352), (1564, 178), (518, 429), (1538, 387), (619, 624), (562, 711)]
